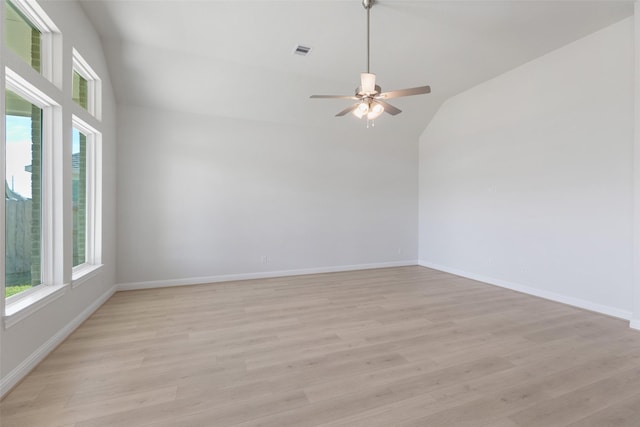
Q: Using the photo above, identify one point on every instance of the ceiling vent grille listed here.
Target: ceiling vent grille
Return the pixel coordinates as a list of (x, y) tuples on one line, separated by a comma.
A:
[(301, 50)]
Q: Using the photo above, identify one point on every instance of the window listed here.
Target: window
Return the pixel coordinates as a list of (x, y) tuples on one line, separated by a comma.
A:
[(23, 197), (80, 95), (22, 37), (79, 196), (86, 187), (39, 216), (87, 86)]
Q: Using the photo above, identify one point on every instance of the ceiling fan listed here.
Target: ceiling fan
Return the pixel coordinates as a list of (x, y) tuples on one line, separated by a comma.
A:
[(371, 100)]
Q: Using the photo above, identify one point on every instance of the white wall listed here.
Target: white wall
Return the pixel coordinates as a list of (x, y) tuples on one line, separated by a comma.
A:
[(526, 180), (27, 341), (635, 320), (201, 197)]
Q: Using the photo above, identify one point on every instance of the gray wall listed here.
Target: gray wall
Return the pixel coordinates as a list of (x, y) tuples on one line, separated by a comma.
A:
[(202, 196), (526, 179)]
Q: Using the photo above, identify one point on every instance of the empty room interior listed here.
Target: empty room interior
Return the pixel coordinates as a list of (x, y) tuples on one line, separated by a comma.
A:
[(320, 213)]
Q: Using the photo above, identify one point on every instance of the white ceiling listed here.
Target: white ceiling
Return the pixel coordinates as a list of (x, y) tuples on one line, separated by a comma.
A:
[(234, 58)]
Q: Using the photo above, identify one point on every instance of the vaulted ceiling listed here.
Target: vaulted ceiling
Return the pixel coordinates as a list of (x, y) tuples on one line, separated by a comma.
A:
[(235, 58)]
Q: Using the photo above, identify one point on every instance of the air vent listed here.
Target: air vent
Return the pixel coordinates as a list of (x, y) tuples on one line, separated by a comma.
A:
[(301, 50)]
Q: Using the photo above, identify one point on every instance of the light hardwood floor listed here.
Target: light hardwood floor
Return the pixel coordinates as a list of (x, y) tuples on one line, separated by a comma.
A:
[(402, 347)]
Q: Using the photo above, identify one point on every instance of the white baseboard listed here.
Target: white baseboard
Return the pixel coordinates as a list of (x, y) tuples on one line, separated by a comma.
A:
[(635, 324), (553, 296), (20, 371), (259, 275)]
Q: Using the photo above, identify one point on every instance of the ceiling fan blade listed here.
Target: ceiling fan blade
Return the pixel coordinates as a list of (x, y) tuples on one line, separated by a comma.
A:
[(405, 92), (348, 110), (333, 97), (389, 108)]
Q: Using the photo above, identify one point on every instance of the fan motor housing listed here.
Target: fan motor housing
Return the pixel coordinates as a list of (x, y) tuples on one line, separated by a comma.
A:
[(359, 91)]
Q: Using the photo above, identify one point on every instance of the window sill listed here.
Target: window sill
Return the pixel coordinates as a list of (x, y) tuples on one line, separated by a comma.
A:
[(83, 273), (21, 308)]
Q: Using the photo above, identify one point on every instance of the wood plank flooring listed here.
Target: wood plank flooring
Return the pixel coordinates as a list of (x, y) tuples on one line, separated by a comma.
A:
[(400, 347)]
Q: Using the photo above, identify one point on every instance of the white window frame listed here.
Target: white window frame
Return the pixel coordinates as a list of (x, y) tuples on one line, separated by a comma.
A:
[(2, 165), (94, 84), (50, 287), (48, 90), (50, 43), (93, 244)]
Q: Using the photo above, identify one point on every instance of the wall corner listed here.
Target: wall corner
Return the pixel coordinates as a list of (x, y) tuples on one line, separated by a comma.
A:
[(635, 322)]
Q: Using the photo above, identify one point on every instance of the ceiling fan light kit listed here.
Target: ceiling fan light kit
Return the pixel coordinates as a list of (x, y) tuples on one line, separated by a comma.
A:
[(369, 95)]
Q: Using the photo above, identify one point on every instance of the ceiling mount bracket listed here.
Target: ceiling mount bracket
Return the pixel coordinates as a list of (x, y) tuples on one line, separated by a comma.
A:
[(367, 4)]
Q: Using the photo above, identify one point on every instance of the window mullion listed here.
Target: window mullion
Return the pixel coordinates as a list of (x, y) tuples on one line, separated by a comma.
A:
[(47, 200)]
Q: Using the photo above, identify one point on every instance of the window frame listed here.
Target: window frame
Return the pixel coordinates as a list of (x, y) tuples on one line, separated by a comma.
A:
[(49, 90), (50, 115), (50, 39), (94, 84), (23, 83), (93, 224)]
